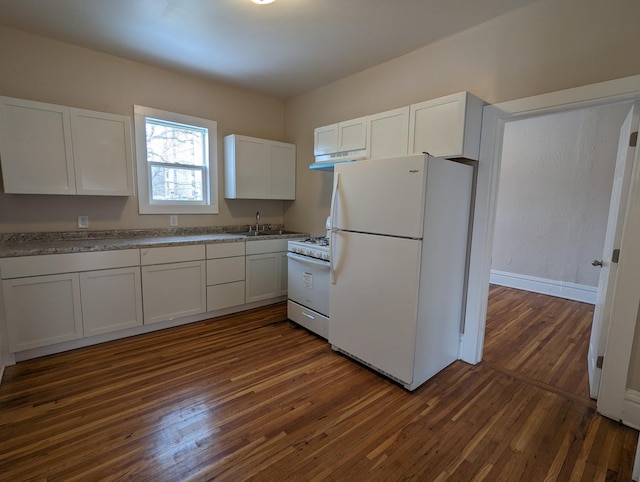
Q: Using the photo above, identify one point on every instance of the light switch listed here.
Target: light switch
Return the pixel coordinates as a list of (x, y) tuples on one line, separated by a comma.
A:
[(83, 221), (173, 220)]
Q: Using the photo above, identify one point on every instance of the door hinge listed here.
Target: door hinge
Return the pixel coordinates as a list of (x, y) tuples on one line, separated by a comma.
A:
[(599, 361), (633, 139), (615, 256)]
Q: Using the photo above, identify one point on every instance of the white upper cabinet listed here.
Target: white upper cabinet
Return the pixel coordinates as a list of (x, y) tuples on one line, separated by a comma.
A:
[(52, 149), (282, 171), (352, 135), (389, 133), (35, 148), (102, 153), (446, 127), (346, 136), (259, 168), (325, 140)]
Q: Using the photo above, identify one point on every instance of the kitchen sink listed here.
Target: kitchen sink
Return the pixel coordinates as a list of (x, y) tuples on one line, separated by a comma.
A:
[(267, 232)]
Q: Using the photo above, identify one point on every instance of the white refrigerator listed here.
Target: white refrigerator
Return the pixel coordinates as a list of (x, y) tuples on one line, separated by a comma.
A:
[(399, 241)]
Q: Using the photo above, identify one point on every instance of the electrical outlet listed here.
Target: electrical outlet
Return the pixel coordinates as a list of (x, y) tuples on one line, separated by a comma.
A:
[(173, 220), (83, 221)]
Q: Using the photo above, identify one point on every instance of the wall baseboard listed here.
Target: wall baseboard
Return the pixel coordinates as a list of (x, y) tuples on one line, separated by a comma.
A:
[(561, 289)]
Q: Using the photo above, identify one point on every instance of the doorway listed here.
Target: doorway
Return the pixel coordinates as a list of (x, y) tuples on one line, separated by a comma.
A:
[(553, 201), (495, 117), (556, 177)]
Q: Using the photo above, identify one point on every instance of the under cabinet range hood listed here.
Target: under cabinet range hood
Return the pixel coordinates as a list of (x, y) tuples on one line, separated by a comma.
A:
[(326, 162), (341, 142)]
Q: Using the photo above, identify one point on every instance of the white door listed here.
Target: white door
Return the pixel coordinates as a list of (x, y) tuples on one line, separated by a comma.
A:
[(383, 196), (609, 267), (624, 312)]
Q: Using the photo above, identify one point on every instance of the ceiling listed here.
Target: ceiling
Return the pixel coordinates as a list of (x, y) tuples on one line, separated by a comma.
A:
[(283, 49)]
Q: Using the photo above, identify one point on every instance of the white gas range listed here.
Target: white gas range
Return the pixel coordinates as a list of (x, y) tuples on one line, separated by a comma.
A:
[(308, 288)]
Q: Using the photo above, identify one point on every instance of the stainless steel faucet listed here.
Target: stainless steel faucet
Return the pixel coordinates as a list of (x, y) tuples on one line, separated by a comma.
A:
[(258, 221)]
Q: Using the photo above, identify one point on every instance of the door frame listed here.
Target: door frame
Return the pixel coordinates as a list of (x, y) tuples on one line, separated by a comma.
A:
[(494, 119)]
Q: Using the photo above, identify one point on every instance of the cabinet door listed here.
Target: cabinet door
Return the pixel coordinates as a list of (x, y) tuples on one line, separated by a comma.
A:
[(173, 290), (262, 279), (325, 140), (111, 300), (352, 134), (35, 148), (42, 310), (282, 171), (283, 273), (250, 168), (102, 153), (437, 126), (389, 134)]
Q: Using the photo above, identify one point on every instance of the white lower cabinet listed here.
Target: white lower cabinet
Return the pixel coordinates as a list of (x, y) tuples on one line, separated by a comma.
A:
[(262, 277), (42, 310), (57, 298), (266, 275), (225, 275), (173, 282), (111, 300), (51, 299)]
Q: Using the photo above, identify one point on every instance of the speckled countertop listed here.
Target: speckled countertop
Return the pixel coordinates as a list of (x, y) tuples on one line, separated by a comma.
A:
[(31, 244)]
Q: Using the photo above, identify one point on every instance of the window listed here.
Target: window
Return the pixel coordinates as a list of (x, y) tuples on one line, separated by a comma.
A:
[(177, 163)]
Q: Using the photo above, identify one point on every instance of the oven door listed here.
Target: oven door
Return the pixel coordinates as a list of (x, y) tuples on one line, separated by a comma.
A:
[(309, 282)]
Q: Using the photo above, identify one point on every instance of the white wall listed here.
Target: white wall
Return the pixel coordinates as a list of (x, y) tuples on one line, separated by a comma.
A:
[(544, 47), (553, 200), (46, 70)]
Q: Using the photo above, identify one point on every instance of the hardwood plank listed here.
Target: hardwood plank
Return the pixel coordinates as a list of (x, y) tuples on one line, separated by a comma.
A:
[(252, 396)]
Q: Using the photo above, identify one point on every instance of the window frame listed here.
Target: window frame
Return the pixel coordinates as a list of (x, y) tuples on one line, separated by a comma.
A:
[(210, 204)]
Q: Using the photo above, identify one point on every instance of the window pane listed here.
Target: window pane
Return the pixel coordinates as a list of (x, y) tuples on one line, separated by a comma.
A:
[(172, 143), (175, 184)]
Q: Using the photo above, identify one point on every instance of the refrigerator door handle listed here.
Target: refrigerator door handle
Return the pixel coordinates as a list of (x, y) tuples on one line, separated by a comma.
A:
[(332, 229)]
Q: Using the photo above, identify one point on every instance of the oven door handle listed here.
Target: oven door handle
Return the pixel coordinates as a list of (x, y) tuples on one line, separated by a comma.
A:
[(308, 260)]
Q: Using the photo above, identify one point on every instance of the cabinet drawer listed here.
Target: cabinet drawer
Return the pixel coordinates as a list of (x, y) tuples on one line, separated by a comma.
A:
[(225, 250), (23, 266), (225, 270), (225, 295), (266, 246), (171, 254)]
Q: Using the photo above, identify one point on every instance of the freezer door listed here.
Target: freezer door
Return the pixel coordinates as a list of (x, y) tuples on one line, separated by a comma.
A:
[(382, 196), (374, 300)]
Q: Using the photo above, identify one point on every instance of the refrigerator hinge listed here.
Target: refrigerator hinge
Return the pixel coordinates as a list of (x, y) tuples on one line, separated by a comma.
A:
[(633, 139), (615, 256), (599, 361)]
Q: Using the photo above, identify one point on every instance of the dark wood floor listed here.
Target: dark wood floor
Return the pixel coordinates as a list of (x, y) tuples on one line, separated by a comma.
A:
[(252, 396)]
